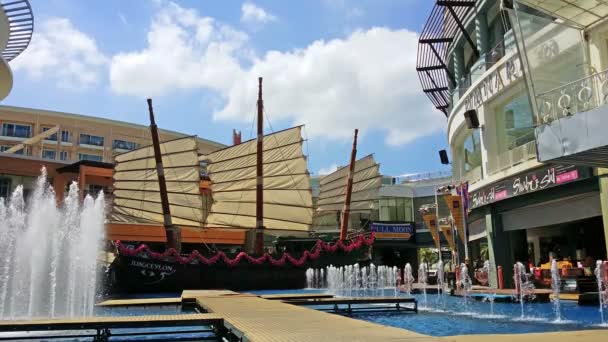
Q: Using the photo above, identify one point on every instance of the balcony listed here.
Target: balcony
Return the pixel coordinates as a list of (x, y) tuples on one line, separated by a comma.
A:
[(513, 157), (573, 119)]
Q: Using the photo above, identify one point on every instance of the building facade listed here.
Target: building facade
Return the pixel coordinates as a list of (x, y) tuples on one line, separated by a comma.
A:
[(399, 202), (499, 71)]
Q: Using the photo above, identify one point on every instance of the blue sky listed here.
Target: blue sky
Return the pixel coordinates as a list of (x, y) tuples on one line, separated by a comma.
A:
[(333, 65)]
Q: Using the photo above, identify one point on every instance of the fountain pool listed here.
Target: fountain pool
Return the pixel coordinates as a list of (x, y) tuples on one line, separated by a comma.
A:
[(452, 318)]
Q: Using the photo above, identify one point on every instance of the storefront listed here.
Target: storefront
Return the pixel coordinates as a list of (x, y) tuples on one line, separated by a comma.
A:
[(395, 243), (551, 210)]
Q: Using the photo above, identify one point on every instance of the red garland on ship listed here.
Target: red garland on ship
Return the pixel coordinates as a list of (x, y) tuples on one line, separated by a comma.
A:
[(320, 246)]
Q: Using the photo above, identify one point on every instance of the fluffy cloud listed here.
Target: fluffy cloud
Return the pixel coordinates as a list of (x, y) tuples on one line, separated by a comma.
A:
[(62, 53), (327, 170), (250, 13), (366, 80), (185, 51)]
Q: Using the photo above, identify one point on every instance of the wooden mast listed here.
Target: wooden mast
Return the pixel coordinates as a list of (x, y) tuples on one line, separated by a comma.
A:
[(172, 232), (259, 189), (349, 190)]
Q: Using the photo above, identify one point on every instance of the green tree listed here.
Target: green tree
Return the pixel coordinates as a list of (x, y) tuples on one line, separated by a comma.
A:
[(429, 256)]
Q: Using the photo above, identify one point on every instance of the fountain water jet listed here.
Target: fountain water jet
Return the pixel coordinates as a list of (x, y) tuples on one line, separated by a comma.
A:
[(440, 284), (466, 284), (556, 285), (602, 288), (487, 269), (422, 280), (524, 288), (49, 254), (408, 278)]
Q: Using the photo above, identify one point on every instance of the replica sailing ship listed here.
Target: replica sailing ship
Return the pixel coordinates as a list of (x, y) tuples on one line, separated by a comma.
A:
[(261, 185)]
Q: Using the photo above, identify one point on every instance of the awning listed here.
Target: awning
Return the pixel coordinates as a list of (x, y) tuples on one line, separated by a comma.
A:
[(445, 21), (580, 13), (563, 210)]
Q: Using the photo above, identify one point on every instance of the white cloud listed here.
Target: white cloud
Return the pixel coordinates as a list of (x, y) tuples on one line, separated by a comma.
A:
[(327, 170), (185, 51), (123, 18), (366, 80), (344, 7), (60, 52), (250, 13)]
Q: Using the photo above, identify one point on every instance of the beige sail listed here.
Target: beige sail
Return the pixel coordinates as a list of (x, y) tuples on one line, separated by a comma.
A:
[(365, 192), (136, 190), (287, 192)]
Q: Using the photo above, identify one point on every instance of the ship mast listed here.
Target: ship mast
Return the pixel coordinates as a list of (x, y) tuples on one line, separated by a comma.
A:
[(349, 190), (172, 232), (259, 189)]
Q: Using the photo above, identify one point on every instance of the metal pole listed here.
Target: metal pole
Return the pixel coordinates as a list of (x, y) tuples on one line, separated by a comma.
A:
[(172, 232), (437, 220), (259, 189), (349, 189)]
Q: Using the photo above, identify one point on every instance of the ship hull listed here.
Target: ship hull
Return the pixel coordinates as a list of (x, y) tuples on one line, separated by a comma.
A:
[(138, 274)]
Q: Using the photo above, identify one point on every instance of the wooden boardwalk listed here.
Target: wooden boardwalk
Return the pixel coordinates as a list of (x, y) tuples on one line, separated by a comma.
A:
[(109, 322), (295, 296), (256, 319), (141, 302)]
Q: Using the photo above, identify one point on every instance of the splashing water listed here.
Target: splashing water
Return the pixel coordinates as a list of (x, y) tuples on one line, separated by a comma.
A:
[(524, 288), (351, 280), (440, 284), (466, 284), (602, 288), (422, 279), (49, 254), (556, 285), (408, 279), (487, 270)]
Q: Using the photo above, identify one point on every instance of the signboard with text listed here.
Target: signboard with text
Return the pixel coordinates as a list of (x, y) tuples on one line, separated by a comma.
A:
[(539, 179), (393, 230)]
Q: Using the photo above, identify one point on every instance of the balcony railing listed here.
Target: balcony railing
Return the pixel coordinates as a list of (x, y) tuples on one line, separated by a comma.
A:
[(578, 96), (514, 157), (473, 175)]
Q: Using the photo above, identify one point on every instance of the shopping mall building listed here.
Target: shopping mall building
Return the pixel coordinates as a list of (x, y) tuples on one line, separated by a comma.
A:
[(523, 86)]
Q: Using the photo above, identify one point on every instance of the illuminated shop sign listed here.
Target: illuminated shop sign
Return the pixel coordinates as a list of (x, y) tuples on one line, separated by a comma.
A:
[(401, 231), (539, 179)]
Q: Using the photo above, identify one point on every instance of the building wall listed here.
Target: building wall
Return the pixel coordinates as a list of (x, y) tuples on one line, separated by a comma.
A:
[(118, 137)]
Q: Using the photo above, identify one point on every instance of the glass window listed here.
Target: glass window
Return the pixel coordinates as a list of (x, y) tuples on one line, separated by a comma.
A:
[(66, 136), (49, 154), (52, 137), (3, 148), (91, 140), (515, 123), (92, 157), (64, 155), (16, 130), (125, 145), (396, 209), (472, 150), (5, 187)]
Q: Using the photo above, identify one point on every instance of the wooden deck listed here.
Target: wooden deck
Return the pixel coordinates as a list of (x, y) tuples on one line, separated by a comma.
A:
[(295, 296), (256, 319), (141, 302), (111, 322)]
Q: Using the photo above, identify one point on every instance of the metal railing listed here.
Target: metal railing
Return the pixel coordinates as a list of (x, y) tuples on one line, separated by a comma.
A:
[(578, 96), (21, 27), (514, 157), (473, 175)]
